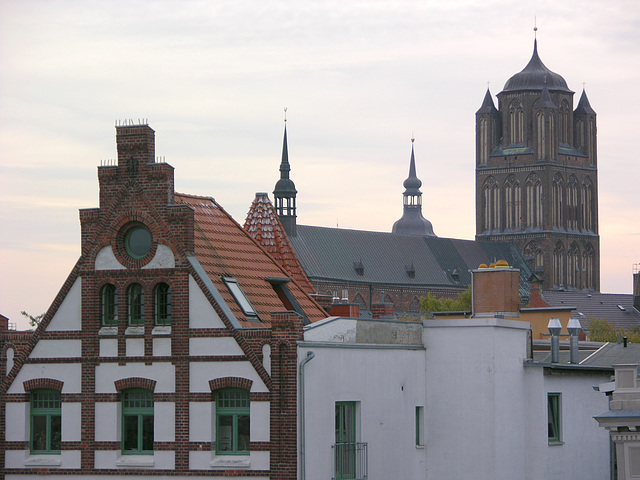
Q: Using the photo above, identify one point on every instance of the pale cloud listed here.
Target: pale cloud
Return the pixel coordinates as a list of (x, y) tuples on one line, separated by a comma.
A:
[(358, 77)]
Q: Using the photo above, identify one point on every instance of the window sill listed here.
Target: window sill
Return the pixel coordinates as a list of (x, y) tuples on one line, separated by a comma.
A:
[(161, 330), (135, 461), (54, 460), (419, 447), (555, 443), (134, 331), (230, 462), (108, 331)]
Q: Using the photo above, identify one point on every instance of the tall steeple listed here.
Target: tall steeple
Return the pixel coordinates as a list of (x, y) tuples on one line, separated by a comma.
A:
[(285, 190), (412, 221)]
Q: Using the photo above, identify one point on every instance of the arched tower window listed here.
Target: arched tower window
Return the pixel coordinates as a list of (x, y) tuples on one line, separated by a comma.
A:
[(557, 196), (558, 264), (588, 268), (491, 204), (512, 202), (484, 141), (588, 221), (573, 266), (516, 122), (534, 201), (565, 122), (414, 306), (542, 136), (572, 202), (109, 305), (533, 256), (359, 300), (135, 304)]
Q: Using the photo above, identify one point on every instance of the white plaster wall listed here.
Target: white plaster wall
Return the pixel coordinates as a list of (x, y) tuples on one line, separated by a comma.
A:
[(108, 347), (585, 449), (106, 260), (332, 329), (9, 364), (203, 460), (69, 373), (68, 315), (162, 259), (16, 422), (134, 347), (200, 422), (164, 421), (162, 347), (71, 421), (266, 357), (222, 346), (57, 349), (536, 424), (201, 372), (475, 398), (21, 458), (162, 372), (110, 459), (201, 313), (260, 421), (388, 384), (107, 421)]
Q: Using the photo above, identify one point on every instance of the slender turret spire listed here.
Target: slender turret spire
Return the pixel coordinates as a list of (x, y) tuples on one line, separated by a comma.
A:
[(285, 190), (412, 221)]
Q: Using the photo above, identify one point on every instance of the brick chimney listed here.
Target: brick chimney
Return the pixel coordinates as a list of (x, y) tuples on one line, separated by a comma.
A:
[(382, 310), (349, 310), (535, 293), (495, 289)]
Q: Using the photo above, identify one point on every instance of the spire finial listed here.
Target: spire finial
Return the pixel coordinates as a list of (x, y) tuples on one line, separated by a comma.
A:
[(413, 138), (535, 28), (285, 114), (583, 84)]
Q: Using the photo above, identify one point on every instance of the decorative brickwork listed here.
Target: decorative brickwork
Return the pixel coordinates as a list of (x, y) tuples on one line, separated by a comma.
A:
[(135, 382), (230, 382), (37, 383)]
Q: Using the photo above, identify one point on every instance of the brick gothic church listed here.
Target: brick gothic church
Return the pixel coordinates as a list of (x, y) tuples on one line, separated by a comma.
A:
[(537, 176)]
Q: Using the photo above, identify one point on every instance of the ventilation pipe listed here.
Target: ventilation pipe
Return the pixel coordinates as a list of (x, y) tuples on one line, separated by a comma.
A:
[(574, 328), (554, 330)]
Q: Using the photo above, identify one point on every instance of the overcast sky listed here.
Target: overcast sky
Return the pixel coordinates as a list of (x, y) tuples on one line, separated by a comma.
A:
[(359, 78)]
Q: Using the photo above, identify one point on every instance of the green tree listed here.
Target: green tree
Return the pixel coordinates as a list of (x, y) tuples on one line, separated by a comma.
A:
[(602, 331), (33, 321), (430, 303)]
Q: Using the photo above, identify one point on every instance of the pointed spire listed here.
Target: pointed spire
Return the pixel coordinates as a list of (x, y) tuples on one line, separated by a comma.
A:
[(285, 168), (487, 104), (285, 191), (583, 105), (412, 183), (545, 100)]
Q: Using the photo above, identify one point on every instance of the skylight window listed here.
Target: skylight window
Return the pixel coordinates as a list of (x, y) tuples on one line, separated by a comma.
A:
[(241, 298)]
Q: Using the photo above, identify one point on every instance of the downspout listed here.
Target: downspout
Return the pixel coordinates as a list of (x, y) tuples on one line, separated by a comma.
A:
[(309, 357)]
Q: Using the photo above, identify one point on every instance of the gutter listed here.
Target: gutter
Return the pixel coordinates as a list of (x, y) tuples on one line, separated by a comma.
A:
[(308, 358)]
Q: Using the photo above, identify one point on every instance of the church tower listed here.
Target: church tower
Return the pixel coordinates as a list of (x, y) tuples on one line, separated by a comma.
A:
[(285, 192), (536, 176), (412, 221)]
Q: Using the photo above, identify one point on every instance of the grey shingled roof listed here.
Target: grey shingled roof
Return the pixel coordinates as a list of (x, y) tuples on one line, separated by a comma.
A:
[(597, 305), (614, 354), (331, 253)]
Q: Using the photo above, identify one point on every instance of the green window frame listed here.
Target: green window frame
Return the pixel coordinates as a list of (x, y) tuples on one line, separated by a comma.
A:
[(162, 304), (46, 421), (109, 305), (345, 454), (137, 422), (135, 304), (233, 431), (554, 417), (419, 426)]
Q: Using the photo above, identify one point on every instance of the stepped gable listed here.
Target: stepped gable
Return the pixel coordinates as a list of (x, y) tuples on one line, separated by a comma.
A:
[(224, 249), (263, 224)]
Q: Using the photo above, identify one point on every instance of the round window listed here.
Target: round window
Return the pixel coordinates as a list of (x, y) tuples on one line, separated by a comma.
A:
[(138, 241)]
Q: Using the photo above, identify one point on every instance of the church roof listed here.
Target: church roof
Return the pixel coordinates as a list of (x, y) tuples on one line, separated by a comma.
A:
[(263, 224), (584, 106), (224, 249), (331, 253), (534, 76)]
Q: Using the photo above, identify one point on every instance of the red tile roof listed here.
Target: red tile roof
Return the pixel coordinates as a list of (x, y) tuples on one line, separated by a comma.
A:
[(263, 224), (223, 248)]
